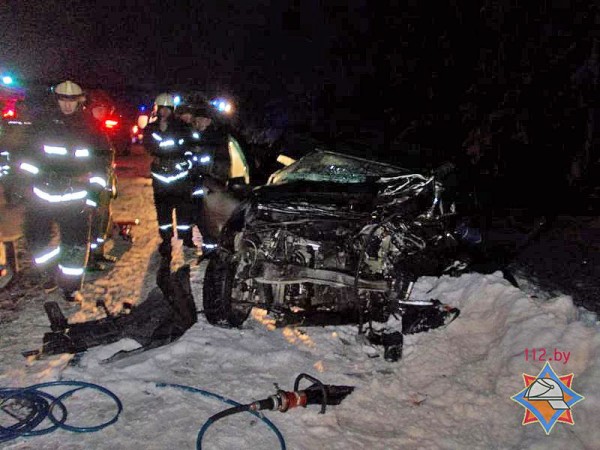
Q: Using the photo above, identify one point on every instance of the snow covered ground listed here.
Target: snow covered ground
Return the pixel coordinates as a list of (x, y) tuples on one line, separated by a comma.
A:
[(451, 389)]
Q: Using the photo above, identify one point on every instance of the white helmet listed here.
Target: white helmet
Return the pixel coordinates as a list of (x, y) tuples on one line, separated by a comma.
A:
[(165, 99), (68, 89)]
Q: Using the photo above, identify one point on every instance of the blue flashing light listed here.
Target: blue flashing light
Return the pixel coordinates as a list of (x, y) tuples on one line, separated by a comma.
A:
[(6, 79), (142, 108), (222, 105), (177, 100)]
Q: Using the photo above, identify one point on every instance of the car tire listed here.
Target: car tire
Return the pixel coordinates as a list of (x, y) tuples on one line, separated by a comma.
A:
[(219, 305)]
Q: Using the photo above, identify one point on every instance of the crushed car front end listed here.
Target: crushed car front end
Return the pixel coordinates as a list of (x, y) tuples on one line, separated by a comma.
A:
[(331, 236)]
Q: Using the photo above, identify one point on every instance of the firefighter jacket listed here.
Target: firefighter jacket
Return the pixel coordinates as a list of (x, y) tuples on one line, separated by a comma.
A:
[(170, 162), (69, 161)]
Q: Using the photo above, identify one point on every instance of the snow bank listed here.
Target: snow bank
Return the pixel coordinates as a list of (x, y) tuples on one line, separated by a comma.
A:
[(451, 390)]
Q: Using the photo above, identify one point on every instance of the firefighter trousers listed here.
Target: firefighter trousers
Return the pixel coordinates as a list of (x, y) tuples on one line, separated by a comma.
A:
[(71, 255), (101, 223), (169, 197)]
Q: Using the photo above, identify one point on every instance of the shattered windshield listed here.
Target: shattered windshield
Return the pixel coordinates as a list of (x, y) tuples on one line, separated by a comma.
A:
[(334, 167)]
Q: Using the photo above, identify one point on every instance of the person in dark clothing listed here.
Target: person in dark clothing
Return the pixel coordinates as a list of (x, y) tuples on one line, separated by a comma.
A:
[(167, 140), (212, 165), (68, 160), (201, 159), (185, 114)]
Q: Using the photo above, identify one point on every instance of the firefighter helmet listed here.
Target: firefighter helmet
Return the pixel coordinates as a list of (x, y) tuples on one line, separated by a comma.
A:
[(165, 99), (68, 90)]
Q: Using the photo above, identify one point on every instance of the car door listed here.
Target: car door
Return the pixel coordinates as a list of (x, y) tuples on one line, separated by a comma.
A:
[(227, 173)]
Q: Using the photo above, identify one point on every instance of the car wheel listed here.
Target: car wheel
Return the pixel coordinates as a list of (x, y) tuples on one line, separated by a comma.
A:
[(220, 306)]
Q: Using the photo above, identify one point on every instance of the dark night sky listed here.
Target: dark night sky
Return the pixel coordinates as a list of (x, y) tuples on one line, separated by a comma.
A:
[(253, 49), (137, 42), (402, 55)]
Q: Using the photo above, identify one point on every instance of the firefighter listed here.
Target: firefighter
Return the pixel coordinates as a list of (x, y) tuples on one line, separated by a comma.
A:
[(212, 164), (185, 114), (201, 155), (167, 140), (201, 162), (67, 161)]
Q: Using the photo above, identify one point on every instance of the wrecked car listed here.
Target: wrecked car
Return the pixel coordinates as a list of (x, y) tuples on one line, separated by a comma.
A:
[(335, 238)]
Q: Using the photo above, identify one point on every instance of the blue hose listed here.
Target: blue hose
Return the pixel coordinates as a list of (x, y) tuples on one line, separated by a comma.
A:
[(42, 407), (209, 422)]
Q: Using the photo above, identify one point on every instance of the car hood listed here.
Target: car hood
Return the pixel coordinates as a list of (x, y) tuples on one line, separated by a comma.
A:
[(312, 190)]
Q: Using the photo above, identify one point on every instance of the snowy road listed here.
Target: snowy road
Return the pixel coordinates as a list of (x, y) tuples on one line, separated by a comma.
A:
[(451, 390)]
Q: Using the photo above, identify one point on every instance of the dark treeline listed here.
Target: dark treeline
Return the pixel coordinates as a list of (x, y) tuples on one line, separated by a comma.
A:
[(506, 86)]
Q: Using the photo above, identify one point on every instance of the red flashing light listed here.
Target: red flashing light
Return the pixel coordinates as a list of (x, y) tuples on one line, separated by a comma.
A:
[(8, 114), (135, 129), (110, 123)]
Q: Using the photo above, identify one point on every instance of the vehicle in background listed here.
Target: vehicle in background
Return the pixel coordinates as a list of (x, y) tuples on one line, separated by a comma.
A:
[(115, 120), (117, 128), (8, 107), (21, 108), (10, 95)]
